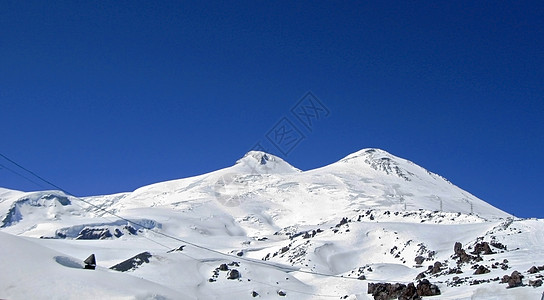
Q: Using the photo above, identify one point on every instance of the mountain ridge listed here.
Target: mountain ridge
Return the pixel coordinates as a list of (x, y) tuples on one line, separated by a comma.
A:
[(263, 227)]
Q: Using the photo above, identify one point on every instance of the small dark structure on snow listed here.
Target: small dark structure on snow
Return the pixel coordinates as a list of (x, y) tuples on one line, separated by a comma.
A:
[(90, 262)]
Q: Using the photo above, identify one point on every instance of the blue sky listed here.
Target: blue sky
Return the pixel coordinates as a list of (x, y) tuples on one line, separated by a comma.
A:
[(105, 97)]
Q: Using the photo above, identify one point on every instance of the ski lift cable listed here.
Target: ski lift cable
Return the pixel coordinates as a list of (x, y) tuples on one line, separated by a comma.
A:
[(21, 175)]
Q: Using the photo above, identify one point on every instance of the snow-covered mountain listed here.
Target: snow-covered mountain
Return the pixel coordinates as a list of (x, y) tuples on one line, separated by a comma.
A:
[(263, 228)]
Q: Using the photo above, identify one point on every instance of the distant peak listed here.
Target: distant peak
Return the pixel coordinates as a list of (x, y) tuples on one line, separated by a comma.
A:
[(369, 152), (381, 160), (262, 162), (261, 157)]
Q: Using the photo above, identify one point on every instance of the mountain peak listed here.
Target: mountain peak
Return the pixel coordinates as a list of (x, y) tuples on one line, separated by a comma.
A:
[(262, 157), (264, 163), (381, 160), (369, 153)]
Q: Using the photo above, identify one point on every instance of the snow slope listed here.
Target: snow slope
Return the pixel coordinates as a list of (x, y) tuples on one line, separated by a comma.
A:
[(287, 233), (31, 271)]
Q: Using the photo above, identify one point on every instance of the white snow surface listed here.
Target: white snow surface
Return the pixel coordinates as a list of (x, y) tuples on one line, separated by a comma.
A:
[(289, 234)]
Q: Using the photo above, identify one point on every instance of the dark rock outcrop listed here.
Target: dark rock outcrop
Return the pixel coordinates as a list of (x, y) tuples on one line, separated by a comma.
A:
[(94, 234), (457, 248), (437, 267), (133, 262), (233, 274), (425, 288), (409, 293), (514, 280), (535, 283), (462, 256), (482, 248), (386, 291), (481, 270)]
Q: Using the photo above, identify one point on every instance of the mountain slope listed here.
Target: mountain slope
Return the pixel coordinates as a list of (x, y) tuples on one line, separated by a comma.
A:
[(324, 233)]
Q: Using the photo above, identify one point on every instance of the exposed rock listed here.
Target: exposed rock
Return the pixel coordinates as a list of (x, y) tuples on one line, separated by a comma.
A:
[(533, 270), (513, 280), (223, 267), (457, 248), (133, 262), (282, 293), (483, 247), (409, 293), (535, 283), (455, 271), (462, 256), (419, 259), (90, 262), (233, 274), (342, 222), (481, 270), (254, 294), (498, 245), (309, 234), (436, 267), (456, 281), (179, 249), (94, 234), (425, 288), (386, 291)]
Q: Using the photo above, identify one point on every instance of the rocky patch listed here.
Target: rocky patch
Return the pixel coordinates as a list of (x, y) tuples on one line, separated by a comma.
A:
[(535, 283), (514, 280), (133, 262), (386, 291), (232, 274)]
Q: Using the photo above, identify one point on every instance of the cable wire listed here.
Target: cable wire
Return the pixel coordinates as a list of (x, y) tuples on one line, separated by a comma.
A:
[(21, 175)]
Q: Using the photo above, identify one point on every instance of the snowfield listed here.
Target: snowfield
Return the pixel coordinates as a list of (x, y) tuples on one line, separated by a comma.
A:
[(263, 229)]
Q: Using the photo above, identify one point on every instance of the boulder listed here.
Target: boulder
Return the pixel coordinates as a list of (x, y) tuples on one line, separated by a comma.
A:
[(233, 274), (409, 293), (482, 248), (457, 248), (514, 280), (387, 291), (425, 288), (535, 283), (436, 267), (481, 270)]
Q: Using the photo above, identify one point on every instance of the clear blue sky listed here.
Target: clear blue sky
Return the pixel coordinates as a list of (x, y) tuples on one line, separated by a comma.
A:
[(103, 97)]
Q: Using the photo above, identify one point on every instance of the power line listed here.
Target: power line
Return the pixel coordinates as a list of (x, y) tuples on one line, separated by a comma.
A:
[(21, 175), (36, 175)]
